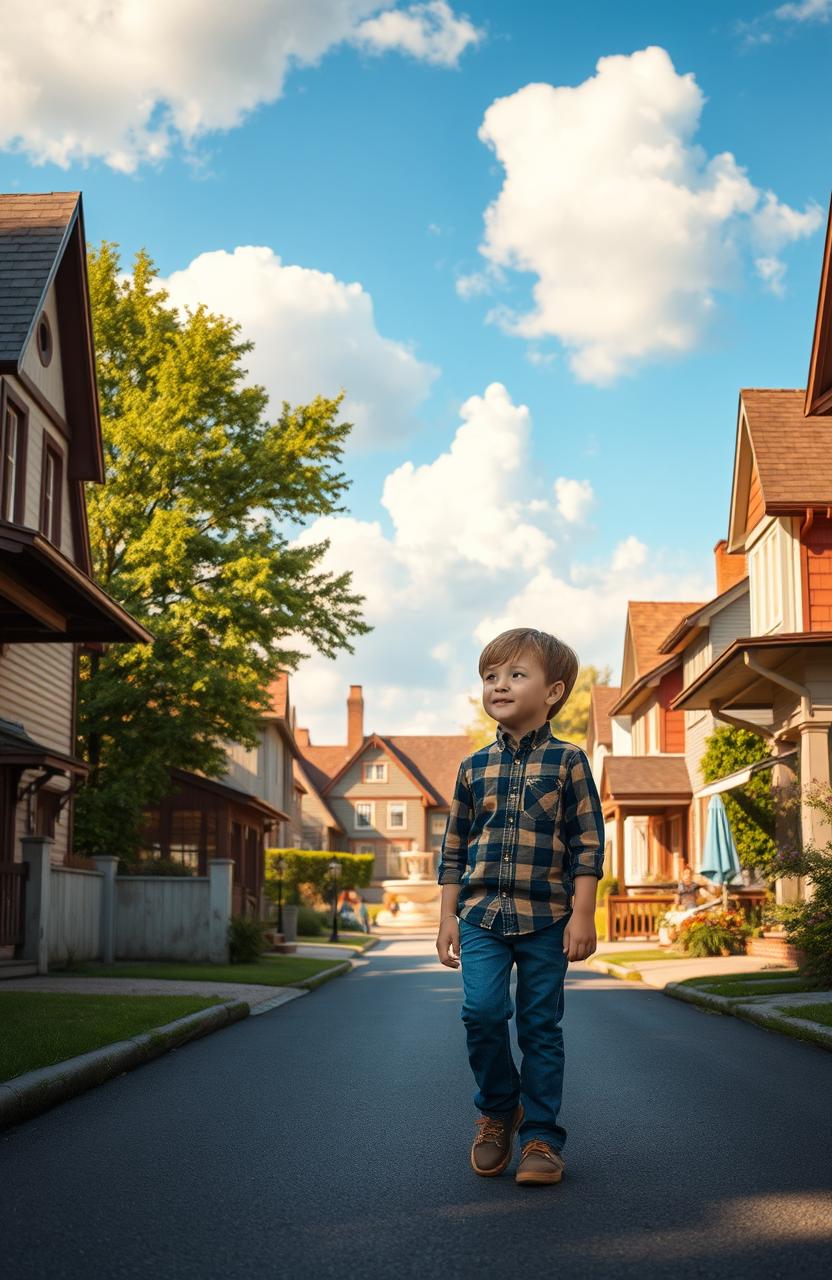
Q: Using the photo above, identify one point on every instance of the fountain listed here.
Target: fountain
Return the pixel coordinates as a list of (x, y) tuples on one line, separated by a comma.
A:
[(417, 894)]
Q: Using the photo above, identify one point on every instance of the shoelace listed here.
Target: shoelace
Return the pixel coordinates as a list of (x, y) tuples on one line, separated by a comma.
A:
[(491, 1130), (539, 1146)]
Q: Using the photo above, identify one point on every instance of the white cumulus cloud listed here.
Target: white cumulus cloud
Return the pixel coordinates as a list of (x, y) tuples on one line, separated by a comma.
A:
[(469, 553), (312, 334), (127, 81), (431, 32), (628, 227), (574, 497)]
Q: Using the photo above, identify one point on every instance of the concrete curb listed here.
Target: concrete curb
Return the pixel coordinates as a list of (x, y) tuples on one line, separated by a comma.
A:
[(318, 979), (35, 1091), (615, 970), (761, 1014)]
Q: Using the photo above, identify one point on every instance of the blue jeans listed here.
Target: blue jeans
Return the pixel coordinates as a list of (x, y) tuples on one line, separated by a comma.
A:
[(487, 959)]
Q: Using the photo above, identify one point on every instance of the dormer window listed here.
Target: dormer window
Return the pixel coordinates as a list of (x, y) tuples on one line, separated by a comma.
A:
[(44, 339)]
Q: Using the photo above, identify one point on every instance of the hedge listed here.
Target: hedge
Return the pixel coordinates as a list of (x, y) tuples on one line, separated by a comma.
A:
[(310, 868)]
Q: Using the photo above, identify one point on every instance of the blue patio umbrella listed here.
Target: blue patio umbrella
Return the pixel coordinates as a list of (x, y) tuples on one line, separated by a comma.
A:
[(720, 861)]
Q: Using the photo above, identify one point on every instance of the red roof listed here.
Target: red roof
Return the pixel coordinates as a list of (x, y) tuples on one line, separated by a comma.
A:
[(601, 698), (433, 759)]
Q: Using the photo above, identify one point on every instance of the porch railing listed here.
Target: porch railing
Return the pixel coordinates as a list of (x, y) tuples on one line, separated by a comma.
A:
[(13, 877), (636, 915)]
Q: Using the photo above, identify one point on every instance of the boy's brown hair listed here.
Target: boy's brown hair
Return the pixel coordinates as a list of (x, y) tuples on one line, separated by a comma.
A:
[(558, 661)]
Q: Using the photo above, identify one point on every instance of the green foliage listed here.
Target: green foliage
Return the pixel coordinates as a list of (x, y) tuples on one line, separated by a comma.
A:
[(307, 872), (712, 932), (309, 922), (570, 723), (750, 808), (192, 534), (246, 942), (607, 885), (808, 924)]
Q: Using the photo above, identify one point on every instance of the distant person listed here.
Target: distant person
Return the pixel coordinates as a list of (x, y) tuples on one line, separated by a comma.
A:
[(521, 859), (687, 890), (352, 912)]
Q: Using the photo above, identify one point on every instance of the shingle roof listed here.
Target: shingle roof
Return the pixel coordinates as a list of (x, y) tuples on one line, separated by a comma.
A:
[(432, 758), (650, 622), (646, 776), (602, 697), (33, 229), (793, 453)]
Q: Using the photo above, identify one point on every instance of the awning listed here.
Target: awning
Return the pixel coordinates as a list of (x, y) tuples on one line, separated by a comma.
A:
[(19, 751), (741, 776), (731, 682), (46, 598)]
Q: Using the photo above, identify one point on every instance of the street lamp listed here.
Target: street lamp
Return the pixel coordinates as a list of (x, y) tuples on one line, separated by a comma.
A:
[(334, 871), (280, 868)]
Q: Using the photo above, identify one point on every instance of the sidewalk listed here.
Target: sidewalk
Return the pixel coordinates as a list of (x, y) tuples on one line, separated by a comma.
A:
[(658, 973)]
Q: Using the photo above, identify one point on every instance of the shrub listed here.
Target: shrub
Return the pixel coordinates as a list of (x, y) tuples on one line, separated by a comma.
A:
[(309, 922), (246, 942), (712, 932), (155, 867), (808, 924), (307, 872), (609, 884), (749, 808)]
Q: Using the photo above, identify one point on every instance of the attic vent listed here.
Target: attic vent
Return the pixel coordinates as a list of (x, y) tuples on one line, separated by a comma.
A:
[(44, 339)]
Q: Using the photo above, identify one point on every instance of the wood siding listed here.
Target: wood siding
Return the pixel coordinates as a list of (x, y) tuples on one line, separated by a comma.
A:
[(39, 430), (672, 723), (48, 379), (818, 560), (756, 506)]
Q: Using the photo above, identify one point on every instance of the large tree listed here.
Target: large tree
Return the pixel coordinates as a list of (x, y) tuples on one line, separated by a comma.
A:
[(192, 534), (570, 723)]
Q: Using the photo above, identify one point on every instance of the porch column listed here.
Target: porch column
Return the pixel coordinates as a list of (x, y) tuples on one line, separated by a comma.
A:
[(814, 768), (37, 852), (619, 848), (220, 871)]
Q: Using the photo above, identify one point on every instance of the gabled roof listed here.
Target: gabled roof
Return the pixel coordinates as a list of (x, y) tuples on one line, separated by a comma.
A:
[(42, 242), (433, 758), (686, 631), (599, 725), (644, 777), (302, 775), (790, 453), (648, 622), (279, 697), (819, 386), (431, 762)]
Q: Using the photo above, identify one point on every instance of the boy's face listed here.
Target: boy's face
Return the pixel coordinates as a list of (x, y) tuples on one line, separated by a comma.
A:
[(517, 694)]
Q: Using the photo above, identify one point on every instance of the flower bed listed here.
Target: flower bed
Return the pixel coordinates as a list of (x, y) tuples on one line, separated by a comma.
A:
[(714, 933)]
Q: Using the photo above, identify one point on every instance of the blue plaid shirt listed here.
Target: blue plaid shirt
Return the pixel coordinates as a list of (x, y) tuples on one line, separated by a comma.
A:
[(525, 820)]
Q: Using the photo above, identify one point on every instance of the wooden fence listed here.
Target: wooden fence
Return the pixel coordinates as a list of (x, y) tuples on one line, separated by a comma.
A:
[(13, 877), (636, 915)]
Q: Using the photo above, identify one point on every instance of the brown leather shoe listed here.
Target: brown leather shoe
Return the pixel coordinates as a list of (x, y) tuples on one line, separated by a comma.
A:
[(493, 1145), (539, 1163)]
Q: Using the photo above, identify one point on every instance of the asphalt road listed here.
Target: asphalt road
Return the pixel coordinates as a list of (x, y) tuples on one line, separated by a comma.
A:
[(330, 1138)]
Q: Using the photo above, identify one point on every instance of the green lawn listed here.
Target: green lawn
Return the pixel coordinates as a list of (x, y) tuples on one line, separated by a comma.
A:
[(736, 989), (357, 940), (271, 971), (813, 1012), (41, 1028), (754, 975), (630, 957)]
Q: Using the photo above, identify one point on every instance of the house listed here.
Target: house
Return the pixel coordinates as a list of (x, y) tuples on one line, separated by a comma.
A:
[(644, 784), (50, 606), (599, 726), (387, 793), (255, 804), (777, 678)]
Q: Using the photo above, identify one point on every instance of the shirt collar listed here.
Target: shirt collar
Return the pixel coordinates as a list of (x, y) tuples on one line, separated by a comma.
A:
[(533, 738)]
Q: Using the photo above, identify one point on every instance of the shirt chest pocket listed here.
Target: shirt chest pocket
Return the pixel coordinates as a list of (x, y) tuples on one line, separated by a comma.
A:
[(541, 797)]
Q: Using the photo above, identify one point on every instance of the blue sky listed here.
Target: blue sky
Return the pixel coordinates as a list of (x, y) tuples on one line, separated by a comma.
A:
[(341, 137)]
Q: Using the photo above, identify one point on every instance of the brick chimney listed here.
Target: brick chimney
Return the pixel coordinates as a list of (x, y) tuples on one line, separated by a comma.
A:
[(355, 718), (302, 737), (729, 569)]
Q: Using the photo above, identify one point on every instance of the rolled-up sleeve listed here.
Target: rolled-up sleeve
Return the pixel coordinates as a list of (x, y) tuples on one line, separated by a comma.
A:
[(454, 854), (583, 821)]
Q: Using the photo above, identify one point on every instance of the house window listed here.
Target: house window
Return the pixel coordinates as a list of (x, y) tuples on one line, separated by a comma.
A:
[(44, 338), (50, 494), (438, 822), (11, 463), (396, 817), (376, 771), (364, 813), (185, 830)]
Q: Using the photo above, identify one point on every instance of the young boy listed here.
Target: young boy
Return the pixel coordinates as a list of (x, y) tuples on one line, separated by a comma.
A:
[(520, 862)]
